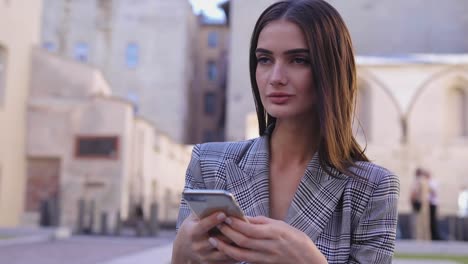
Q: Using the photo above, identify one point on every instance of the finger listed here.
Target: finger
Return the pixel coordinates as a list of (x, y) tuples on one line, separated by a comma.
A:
[(259, 220), (223, 238), (237, 253), (216, 256), (258, 231), (209, 222), (244, 241)]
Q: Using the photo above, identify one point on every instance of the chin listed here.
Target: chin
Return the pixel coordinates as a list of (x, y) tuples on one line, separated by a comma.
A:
[(281, 114), (287, 113)]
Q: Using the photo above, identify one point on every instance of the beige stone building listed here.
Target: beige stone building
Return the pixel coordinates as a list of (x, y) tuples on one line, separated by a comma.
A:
[(207, 99), (85, 144), (144, 49), (19, 32)]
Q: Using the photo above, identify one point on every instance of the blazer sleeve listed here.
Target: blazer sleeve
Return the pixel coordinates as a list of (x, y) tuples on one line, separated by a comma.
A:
[(193, 180), (373, 240)]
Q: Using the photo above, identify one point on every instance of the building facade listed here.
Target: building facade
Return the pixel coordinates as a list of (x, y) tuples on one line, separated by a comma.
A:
[(144, 49), (19, 32), (84, 144), (207, 96)]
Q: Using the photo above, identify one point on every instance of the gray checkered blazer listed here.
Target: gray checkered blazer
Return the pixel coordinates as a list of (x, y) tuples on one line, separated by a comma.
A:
[(350, 220)]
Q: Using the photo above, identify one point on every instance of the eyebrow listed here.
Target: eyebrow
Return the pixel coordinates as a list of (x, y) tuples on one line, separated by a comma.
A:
[(292, 51)]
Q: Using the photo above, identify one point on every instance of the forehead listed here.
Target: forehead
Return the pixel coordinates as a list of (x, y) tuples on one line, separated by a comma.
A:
[(282, 34)]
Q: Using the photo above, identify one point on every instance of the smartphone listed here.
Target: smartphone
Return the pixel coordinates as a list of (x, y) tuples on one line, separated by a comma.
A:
[(206, 202)]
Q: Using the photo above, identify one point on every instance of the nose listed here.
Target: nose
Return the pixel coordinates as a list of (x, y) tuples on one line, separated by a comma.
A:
[(278, 75)]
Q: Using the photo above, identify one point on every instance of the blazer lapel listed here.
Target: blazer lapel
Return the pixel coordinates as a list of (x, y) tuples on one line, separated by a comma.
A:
[(315, 200), (248, 179)]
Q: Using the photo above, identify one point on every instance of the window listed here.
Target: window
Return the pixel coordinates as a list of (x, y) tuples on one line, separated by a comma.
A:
[(49, 46), (212, 70), (97, 147), (213, 39), (131, 55), (81, 52), (210, 103), (3, 72)]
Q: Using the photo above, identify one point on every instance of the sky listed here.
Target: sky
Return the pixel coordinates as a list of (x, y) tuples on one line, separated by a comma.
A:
[(209, 7)]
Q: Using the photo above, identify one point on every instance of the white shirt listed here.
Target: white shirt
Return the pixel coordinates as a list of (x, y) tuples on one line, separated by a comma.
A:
[(463, 203)]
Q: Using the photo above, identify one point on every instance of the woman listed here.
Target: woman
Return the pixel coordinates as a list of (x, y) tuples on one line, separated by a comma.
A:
[(420, 205), (311, 193)]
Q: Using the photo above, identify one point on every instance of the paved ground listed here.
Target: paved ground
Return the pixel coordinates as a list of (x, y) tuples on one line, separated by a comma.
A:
[(162, 254), (80, 249), (56, 248)]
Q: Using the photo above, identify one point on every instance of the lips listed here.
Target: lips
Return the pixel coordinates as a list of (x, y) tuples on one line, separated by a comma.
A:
[(279, 98)]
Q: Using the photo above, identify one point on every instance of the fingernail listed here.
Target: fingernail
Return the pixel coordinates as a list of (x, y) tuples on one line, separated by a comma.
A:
[(221, 216), (228, 221), (213, 242)]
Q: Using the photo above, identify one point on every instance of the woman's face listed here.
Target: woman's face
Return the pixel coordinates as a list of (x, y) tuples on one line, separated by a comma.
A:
[(284, 75)]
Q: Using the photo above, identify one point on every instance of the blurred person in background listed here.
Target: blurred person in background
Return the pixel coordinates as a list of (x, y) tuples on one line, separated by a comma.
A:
[(419, 199), (433, 206), (463, 202)]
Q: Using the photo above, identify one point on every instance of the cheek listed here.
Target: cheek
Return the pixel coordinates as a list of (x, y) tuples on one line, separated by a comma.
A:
[(261, 80), (260, 77), (307, 88)]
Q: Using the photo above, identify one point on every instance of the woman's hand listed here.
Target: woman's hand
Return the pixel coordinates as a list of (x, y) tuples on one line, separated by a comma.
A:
[(265, 240), (191, 244)]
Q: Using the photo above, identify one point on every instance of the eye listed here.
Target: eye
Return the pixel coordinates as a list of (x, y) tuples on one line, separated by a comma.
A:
[(301, 60), (263, 60)]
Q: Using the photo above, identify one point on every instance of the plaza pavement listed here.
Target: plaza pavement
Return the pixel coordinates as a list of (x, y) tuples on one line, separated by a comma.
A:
[(37, 245), (163, 254)]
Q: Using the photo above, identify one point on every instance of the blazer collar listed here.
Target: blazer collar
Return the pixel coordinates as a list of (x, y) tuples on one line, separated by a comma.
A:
[(316, 198), (313, 204)]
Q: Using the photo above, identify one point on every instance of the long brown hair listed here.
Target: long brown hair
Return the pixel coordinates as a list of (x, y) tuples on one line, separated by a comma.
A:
[(333, 76)]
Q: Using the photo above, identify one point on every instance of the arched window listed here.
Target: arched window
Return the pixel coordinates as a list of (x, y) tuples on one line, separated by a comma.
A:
[(3, 72), (461, 112), (363, 115)]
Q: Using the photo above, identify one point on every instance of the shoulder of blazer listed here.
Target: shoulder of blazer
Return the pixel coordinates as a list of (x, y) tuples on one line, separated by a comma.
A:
[(224, 150), (371, 173), (375, 181)]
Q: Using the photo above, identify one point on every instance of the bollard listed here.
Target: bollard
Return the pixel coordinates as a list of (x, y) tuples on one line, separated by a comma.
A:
[(154, 222), (81, 216), (103, 224), (118, 224), (464, 229), (53, 211), (44, 213), (90, 226), (452, 222)]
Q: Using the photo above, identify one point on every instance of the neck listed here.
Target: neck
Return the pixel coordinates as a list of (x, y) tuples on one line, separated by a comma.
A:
[(294, 143)]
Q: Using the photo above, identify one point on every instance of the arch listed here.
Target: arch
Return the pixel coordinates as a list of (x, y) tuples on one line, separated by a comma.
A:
[(446, 91), (363, 110), (3, 72), (460, 110), (462, 70), (375, 83), (364, 74)]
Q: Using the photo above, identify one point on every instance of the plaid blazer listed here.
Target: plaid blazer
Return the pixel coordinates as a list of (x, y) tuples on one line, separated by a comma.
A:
[(350, 220)]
